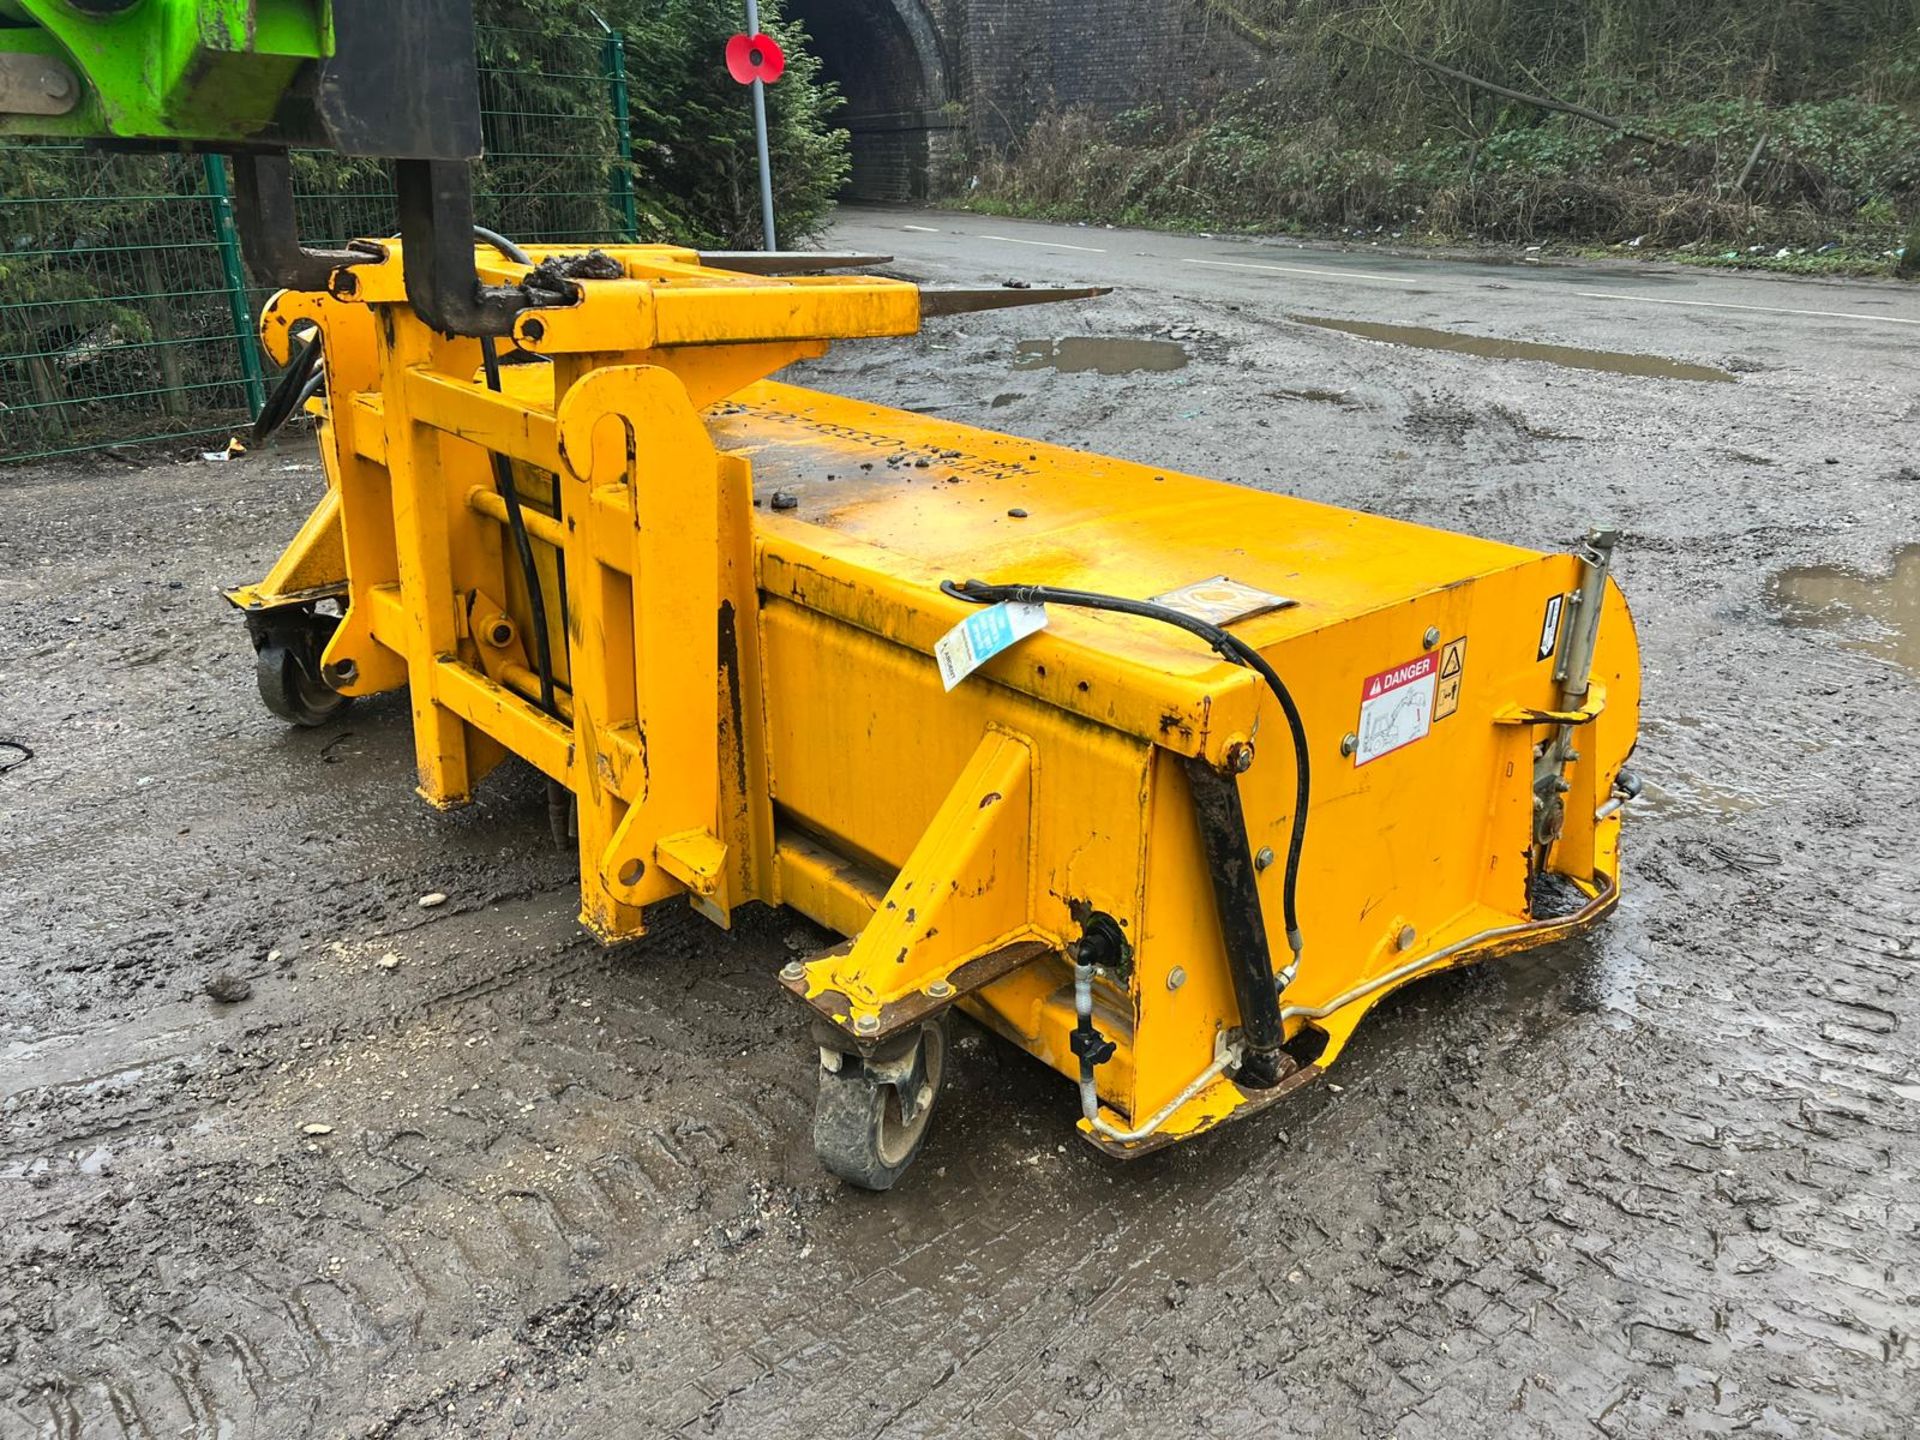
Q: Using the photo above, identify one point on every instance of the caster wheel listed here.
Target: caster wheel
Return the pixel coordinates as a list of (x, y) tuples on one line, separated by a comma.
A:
[(870, 1116), (287, 650)]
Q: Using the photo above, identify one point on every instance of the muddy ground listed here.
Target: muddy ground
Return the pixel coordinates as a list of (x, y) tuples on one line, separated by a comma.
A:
[(1661, 1182)]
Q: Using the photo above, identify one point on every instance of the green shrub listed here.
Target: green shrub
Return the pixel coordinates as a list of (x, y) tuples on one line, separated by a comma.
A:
[(1349, 133), (695, 173)]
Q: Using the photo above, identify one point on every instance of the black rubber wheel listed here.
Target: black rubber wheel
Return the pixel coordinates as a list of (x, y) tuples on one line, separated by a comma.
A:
[(859, 1131), (286, 664)]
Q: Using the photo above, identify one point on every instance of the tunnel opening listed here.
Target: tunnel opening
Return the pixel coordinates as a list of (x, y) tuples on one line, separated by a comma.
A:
[(885, 56)]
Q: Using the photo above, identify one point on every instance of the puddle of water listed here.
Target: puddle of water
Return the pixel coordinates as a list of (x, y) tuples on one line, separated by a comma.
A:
[(1828, 597), (1689, 793), (1488, 348), (1101, 354)]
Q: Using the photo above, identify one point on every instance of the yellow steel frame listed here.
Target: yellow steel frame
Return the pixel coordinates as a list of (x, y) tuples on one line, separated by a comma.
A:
[(747, 707)]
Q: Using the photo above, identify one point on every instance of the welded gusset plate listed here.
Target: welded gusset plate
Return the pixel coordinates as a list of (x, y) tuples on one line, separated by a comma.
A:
[(1219, 1102), (910, 1010)]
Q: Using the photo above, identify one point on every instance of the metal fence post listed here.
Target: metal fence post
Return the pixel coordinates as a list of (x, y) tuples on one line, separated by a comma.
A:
[(234, 276), (614, 57)]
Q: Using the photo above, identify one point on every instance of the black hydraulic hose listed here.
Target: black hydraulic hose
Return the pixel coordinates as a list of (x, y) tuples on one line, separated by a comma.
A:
[(510, 493), (298, 383), (520, 257), (517, 523), (560, 572), (316, 382), (501, 243), (559, 799), (1228, 647), (303, 377)]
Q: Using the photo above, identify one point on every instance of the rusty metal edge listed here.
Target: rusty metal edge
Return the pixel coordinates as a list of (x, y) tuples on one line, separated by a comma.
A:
[(1256, 1100)]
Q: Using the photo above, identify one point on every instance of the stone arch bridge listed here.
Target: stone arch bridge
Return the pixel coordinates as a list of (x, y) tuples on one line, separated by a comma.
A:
[(929, 83)]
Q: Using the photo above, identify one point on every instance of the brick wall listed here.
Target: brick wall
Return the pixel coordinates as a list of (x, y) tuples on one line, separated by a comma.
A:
[(1104, 55)]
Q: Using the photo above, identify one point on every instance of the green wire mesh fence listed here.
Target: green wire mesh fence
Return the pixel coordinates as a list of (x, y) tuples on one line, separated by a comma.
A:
[(126, 315)]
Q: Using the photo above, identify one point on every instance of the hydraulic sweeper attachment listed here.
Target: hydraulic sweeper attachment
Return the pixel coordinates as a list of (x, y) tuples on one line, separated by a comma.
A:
[(1163, 780)]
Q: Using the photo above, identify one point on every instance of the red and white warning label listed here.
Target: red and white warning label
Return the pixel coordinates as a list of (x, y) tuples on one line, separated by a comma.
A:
[(1396, 708)]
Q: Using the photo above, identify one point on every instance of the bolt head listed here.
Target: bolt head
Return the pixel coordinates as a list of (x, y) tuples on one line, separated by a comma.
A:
[(940, 989), (866, 1024), (1404, 940), (1264, 858), (1240, 757), (1176, 977), (1349, 743), (793, 970)]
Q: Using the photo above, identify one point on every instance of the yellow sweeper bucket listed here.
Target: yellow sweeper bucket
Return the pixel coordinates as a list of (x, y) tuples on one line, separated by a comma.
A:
[(1164, 780)]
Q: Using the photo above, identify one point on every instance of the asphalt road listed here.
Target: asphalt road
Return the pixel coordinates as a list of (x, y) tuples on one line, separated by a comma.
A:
[(1612, 306), (1659, 1182)]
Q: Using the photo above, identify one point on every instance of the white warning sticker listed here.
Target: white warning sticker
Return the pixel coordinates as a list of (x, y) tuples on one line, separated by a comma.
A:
[(1396, 708), (1550, 625), (983, 635)]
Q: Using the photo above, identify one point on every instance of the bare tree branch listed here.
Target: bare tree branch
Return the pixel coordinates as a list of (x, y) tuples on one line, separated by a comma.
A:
[(1543, 102)]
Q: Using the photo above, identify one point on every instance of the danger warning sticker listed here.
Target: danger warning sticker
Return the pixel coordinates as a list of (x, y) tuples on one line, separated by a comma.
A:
[(1396, 708)]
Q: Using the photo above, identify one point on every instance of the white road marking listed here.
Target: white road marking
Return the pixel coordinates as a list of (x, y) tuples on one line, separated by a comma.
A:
[(1758, 309), (1044, 244), (1302, 270), (923, 229)]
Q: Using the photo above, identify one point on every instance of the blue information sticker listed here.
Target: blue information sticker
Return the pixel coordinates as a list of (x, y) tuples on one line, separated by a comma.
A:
[(983, 635)]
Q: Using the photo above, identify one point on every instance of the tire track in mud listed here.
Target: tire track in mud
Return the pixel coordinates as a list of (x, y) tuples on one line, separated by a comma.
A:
[(437, 1233), (113, 1095), (1635, 1286)]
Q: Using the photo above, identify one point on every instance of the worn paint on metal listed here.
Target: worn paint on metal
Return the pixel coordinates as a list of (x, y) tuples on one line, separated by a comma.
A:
[(209, 70)]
